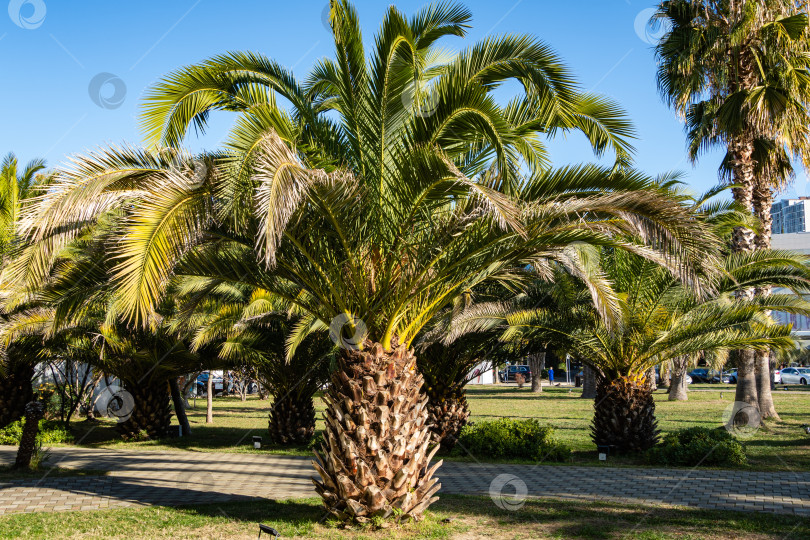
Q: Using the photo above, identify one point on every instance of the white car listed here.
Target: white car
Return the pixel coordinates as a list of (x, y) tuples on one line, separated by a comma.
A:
[(793, 375)]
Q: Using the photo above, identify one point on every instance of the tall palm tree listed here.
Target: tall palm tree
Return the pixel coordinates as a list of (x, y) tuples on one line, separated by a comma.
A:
[(737, 72), (368, 212), (774, 170)]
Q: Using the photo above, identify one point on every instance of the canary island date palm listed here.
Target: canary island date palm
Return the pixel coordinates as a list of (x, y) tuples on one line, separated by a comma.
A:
[(737, 72), (653, 319), (446, 368), (249, 327), (391, 184), (72, 309), (17, 363)]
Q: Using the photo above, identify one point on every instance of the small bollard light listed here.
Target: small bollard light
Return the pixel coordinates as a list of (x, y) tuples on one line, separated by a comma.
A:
[(267, 528), (257, 442), (604, 450)]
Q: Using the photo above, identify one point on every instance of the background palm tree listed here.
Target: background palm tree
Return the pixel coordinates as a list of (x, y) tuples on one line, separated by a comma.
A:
[(737, 72), (652, 318), (18, 361), (249, 327)]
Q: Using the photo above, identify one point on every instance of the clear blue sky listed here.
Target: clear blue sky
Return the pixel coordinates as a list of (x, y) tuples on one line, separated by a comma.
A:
[(47, 109)]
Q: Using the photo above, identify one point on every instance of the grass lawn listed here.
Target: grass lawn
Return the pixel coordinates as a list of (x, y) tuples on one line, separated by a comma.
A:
[(452, 517), (8, 472), (778, 446)]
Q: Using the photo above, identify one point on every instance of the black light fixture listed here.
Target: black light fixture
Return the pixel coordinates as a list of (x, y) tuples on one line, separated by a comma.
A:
[(268, 529), (257, 442), (604, 451)]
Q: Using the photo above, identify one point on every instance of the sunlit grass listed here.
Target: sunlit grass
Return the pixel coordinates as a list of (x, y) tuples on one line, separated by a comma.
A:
[(451, 517), (780, 445)]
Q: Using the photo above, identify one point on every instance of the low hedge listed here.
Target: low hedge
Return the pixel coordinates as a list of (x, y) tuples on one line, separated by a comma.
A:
[(512, 439), (698, 446), (50, 432)]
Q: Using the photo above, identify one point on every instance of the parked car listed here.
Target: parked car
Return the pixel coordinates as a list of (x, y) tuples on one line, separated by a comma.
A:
[(509, 374), (795, 375), (703, 375), (217, 383), (730, 376)]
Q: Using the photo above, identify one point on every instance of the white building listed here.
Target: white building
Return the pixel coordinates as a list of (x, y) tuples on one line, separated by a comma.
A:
[(799, 242), (791, 215), (481, 374)]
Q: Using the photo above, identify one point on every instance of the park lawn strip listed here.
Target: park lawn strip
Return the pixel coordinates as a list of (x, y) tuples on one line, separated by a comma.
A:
[(459, 517), (780, 446), (8, 472)]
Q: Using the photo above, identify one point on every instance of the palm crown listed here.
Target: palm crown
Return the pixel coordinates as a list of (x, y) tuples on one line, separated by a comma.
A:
[(359, 203)]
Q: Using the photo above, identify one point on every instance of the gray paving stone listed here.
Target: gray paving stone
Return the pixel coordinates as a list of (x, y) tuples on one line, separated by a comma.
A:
[(142, 478)]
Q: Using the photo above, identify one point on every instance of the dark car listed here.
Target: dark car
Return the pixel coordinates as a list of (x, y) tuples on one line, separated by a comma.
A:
[(702, 375), (509, 374)]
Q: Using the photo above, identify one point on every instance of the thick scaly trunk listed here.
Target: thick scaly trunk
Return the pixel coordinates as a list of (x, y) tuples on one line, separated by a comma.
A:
[(624, 415), (151, 410), (292, 418), (15, 391), (678, 386), (447, 412), (376, 460), (537, 363), (28, 442), (588, 382), (763, 199)]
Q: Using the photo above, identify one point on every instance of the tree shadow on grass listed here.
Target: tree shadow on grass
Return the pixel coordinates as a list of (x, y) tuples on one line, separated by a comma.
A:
[(590, 520)]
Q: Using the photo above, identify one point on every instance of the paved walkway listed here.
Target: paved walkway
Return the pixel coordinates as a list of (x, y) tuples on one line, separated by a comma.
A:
[(141, 478)]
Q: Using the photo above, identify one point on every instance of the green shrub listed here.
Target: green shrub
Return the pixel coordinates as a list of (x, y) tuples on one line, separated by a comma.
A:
[(698, 445), (50, 432), (512, 439)]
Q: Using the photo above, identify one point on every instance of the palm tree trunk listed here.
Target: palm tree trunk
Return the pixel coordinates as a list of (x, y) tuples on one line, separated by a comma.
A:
[(762, 200), (292, 418), (743, 239), (537, 362), (376, 460), (447, 413), (624, 415), (151, 410), (16, 392), (588, 382)]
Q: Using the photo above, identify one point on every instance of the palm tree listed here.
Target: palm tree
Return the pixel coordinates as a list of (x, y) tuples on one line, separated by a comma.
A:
[(71, 309), (446, 368), (249, 327), (737, 72), (17, 364), (366, 213), (652, 318)]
